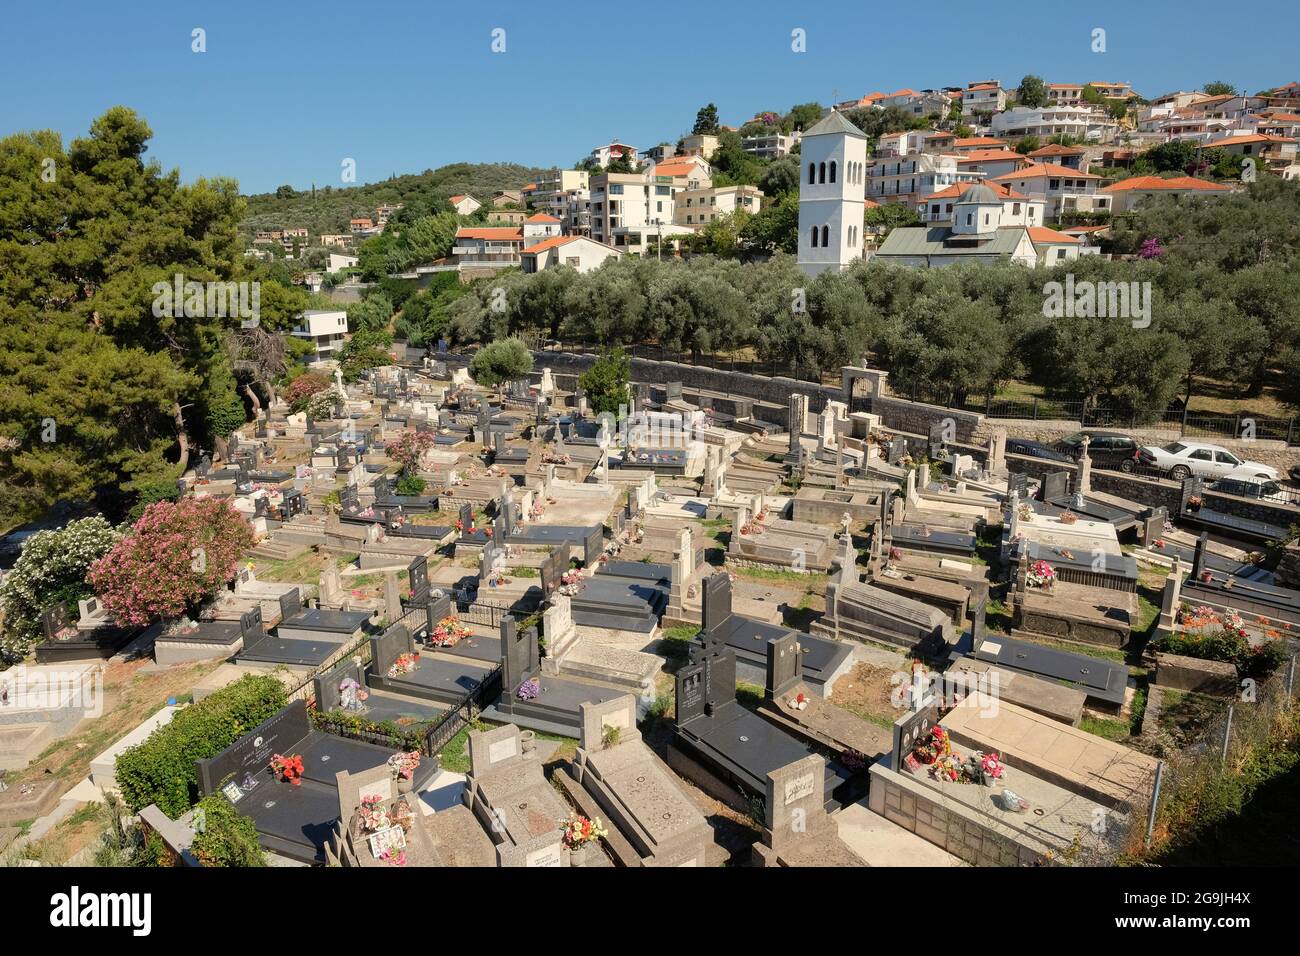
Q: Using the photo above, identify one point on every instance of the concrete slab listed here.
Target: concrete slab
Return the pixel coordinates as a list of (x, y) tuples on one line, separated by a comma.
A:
[(881, 842)]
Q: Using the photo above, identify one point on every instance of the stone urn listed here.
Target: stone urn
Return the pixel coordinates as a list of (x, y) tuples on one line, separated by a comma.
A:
[(578, 855), (405, 784), (527, 741)]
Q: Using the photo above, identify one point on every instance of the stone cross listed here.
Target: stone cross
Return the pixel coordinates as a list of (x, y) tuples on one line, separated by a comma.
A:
[(1169, 601), (1084, 485)]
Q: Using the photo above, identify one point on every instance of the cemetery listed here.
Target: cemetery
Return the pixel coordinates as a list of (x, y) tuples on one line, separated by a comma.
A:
[(508, 635)]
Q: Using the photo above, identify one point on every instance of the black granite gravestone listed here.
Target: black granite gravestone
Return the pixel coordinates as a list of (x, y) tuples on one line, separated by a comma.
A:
[(784, 669), (55, 619), (1056, 485), (912, 729)]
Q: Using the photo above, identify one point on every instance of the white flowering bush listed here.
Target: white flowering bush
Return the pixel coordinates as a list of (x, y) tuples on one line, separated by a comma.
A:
[(325, 404), (51, 568)]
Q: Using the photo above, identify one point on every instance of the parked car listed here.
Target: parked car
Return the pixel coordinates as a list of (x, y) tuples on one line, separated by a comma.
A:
[(1035, 449), (1106, 449), (1263, 488), (1182, 459)]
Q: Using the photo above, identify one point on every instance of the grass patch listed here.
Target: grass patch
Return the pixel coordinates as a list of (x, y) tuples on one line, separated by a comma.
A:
[(749, 695), (808, 581), (455, 755), (1116, 730), (524, 572)]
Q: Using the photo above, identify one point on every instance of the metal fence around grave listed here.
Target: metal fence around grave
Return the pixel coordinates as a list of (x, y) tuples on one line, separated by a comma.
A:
[(463, 713)]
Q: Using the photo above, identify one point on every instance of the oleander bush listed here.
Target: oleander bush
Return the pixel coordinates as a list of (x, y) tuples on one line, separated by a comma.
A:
[(161, 769)]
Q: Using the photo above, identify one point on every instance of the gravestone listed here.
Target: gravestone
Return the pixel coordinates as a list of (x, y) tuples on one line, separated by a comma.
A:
[(1151, 527), (250, 625), (54, 620), (897, 451), (716, 601), (438, 608), (1198, 557), (418, 578), (249, 756), (911, 729), (795, 805), (1056, 485), (387, 647), (784, 667), (521, 656), (466, 518), (673, 392), (1018, 485), (1169, 601), (558, 628), (1192, 488), (290, 604)]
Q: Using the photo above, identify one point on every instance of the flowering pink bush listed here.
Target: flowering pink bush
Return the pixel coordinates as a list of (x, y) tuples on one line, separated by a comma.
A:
[(304, 387), (177, 554), (408, 448)]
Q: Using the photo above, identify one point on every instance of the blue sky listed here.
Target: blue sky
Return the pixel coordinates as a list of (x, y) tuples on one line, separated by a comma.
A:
[(286, 91)]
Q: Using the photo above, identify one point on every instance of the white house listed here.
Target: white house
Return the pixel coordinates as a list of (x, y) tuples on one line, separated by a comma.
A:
[(1079, 122), (487, 247), (983, 98), (325, 329), (576, 252), (1127, 194), (629, 208), (338, 261), (1063, 190), (464, 205), (831, 193), (1017, 208), (907, 179), (772, 145), (694, 207)]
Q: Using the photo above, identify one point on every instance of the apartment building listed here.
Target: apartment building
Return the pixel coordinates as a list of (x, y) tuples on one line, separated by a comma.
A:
[(566, 195), (699, 144), (695, 207), (1071, 157), (1065, 94), (1113, 91), (772, 145), (627, 208), (1079, 122), (1274, 154), (991, 162), (602, 155)]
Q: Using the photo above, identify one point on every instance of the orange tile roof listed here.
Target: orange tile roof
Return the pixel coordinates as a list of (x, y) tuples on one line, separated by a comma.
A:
[(990, 156), (1155, 182), (455, 199), (1035, 170), (1241, 140), (682, 167), (983, 86), (1043, 235), (1056, 149), (959, 189), (965, 141), (528, 186), (870, 204), (541, 217), (491, 232), (1084, 229), (550, 243)]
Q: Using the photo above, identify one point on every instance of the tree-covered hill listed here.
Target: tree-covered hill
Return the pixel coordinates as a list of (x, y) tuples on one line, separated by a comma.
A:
[(328, 209)]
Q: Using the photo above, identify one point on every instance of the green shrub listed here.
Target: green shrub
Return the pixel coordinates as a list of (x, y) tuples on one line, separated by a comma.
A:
[(228, 838), (1228, 647), (161, 769), (343, 723), (410, 485)]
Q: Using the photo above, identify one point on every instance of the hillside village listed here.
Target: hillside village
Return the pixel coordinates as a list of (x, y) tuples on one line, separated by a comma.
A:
[(673, 509)]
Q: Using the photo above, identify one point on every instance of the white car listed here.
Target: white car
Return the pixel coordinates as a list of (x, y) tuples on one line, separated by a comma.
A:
[(1182, 459)]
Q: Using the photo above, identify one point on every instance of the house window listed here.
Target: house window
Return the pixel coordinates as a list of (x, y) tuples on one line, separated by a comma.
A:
[(1015, 209), (970, 219), (1054, 184)]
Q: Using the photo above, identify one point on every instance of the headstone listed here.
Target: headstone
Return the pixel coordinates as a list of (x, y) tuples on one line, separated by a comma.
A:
[(1056, 485), (716, 601), (784, 669), (1018, 484), (1169, 602), (673, 392), (911, 729), (1151, 527), (55, 619)]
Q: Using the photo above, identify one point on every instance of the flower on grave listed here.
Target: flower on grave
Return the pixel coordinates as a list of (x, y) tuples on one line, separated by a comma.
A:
[(404, 664), (370, 814), (853, 760), (1194, 501), (1068, 517), (580, 830), (991, 765), (404, 764), (401, 816), (289, 769), (448, 633), (895, 554), (1040, 574), (530, 689), (394, 857)]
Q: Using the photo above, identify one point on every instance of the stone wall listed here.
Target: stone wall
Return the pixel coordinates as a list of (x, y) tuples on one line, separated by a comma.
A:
[(955, 828), (917, 417)]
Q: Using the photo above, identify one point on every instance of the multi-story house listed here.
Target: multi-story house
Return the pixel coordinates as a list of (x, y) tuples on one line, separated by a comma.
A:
[(965, 144), (362, 225), (1079, 122), (487, 247), (1062, 190), (1071, 157), (908, 179), (602, 155), (771, 145), (983, 97), (684, 172), (335, 240), (695, 207), (699, 144), (1064, 94), (326, 330), (1274, 154), (914, 141)]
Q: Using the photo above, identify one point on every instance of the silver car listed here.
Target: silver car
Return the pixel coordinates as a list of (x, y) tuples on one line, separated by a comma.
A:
[(1182, 459)]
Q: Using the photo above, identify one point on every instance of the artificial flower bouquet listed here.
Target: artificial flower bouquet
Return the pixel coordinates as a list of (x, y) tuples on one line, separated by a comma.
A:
[(288, 769), (579, 831)]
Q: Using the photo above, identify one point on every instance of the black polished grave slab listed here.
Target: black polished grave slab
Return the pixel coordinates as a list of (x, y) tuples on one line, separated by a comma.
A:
[(1101, 680), (557, 709), (1233, 527), (434, 678), (386, 497), (661, 461), (1094, 510), (326, 620), (1248, 598), (627, 604), (822, 658), (97, 645), (291, 653)]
